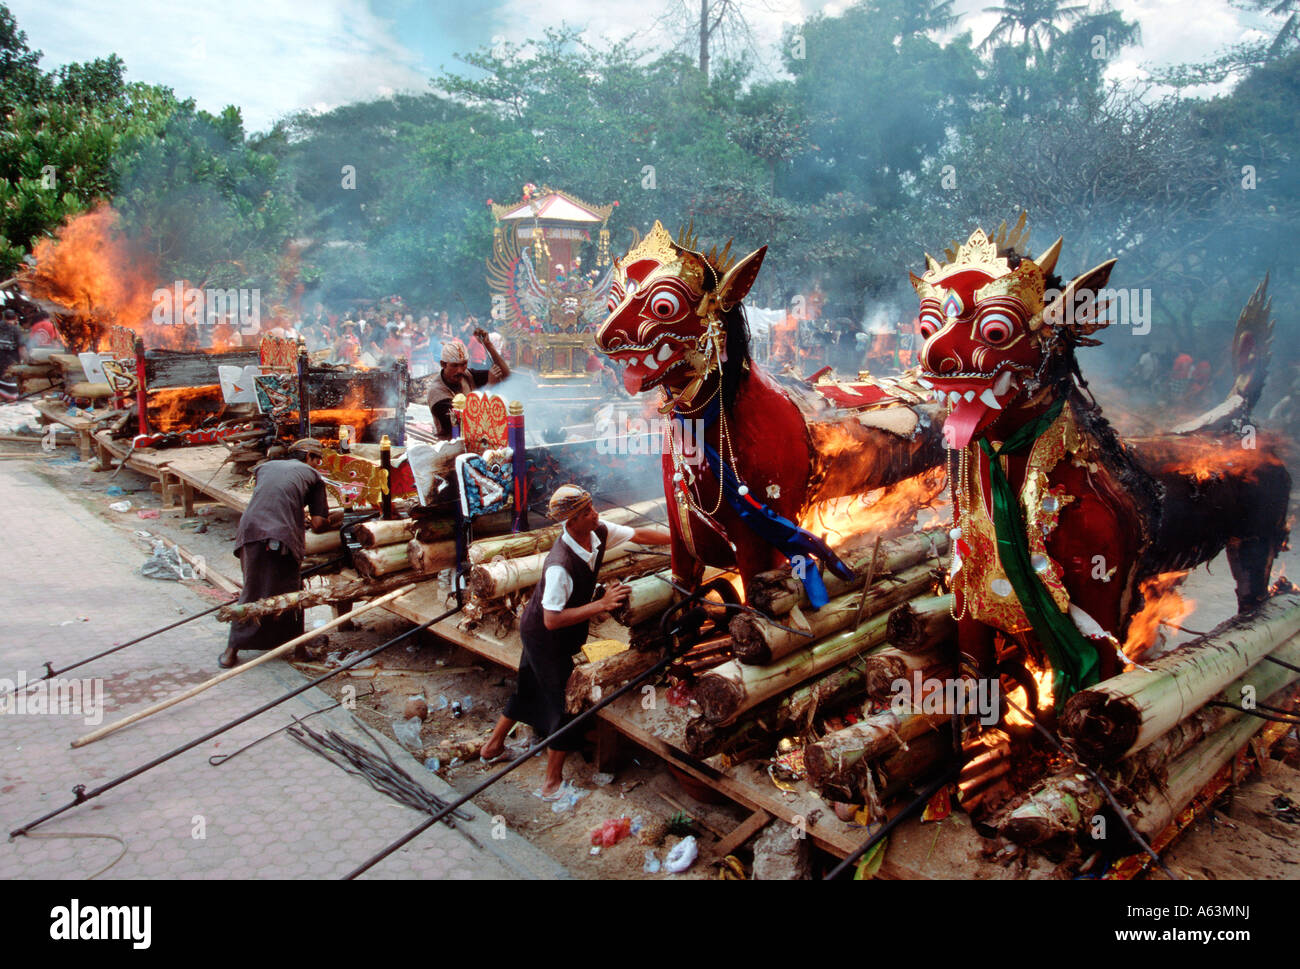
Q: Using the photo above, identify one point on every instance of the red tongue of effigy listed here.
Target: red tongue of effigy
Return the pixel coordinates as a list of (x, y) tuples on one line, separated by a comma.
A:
[(963, 420), (632, 381)]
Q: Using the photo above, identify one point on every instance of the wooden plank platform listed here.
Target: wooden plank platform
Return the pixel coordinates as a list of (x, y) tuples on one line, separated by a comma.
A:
[(660, 730), (146, 461), (57, 412), (199, 472)]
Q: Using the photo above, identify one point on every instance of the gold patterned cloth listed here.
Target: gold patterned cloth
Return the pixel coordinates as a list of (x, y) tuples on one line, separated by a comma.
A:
[(567, 501), (986, 591)]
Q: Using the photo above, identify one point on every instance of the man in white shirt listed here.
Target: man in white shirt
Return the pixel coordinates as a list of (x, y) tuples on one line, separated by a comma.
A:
[(555, 621)]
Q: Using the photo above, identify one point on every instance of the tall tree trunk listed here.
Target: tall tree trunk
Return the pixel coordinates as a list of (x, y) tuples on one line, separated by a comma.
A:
[(704, 39)]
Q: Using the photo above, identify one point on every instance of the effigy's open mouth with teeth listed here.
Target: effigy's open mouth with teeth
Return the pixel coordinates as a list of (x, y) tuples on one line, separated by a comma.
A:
[(646, 367), (974, 400)]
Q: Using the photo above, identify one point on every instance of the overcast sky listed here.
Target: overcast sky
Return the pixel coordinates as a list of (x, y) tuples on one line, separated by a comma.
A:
[(273, 57)]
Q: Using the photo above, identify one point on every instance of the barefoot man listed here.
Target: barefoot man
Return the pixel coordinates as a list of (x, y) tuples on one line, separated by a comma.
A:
[(554, 624)]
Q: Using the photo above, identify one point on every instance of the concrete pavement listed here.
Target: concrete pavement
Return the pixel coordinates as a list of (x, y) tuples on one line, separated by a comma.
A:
[(72, 587)]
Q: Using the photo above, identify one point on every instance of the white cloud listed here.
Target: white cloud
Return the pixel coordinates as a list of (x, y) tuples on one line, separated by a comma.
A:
[(272, 57), (269, 57)]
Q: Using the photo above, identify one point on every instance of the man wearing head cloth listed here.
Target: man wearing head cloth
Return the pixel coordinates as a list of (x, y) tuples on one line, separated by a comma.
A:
[(554, 625), (271, 542), (456, 378), (11, 346)]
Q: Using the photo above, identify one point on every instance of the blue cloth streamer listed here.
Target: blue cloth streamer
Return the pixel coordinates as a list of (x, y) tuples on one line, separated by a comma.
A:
[(802, 547)]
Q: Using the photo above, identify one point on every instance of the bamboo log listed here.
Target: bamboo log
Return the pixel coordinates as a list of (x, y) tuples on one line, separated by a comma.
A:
[(792, 711), (923, 626), (426, 557), (778, 591), (1262, 680), (759, 642), (885, 667), (650, 596), (374, 562), (318, 544), (1061, 805), (227, 674), (348, 591), (912, 763), (733, 688), (1114, 719), (541, 539), (1064, 803), (1189, 773), (491, 580), (372, 534), (835, 759), (588, 682)]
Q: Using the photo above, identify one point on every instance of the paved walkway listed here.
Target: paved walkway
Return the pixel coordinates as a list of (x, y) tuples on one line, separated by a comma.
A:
[(72, 587)]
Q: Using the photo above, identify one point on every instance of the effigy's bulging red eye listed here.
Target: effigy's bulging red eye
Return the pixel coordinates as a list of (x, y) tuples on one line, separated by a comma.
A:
[(929, 324), (996, 328), (665, 305)]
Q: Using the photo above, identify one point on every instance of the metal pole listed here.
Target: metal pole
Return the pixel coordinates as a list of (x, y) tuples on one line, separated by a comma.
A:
[(81, 795), (585, 715), (50, 672)]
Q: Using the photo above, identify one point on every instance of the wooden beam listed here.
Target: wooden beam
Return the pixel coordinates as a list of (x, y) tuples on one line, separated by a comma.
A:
[(743, 832)]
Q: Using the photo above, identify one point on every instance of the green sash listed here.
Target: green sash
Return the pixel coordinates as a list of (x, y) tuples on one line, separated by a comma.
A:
[(1073, 658)]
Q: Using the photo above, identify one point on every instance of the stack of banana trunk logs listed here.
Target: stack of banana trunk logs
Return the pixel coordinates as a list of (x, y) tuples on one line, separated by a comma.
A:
[(829, 695)]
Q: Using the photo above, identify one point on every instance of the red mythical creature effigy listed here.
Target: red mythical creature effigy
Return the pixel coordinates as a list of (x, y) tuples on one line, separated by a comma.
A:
[(767, 451), (1057, 519)]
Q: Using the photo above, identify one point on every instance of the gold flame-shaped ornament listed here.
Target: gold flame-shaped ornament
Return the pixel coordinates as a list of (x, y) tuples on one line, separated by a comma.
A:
[(602, 248), (541, 254)]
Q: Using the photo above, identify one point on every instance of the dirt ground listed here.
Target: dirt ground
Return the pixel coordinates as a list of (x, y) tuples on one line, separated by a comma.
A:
[(1253, 833)]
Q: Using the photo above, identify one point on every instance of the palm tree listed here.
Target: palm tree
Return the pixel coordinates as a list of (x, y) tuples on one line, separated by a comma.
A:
[(923, 16), (1036, 18), (1290, 30)]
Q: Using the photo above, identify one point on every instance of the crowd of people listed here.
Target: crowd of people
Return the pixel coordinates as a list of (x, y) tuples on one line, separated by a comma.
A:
[(384, 335)]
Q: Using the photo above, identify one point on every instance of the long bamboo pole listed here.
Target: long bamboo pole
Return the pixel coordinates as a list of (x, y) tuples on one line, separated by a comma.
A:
[(732, 688), (541, 539), (778, 591), (266, 657), (1120, 716), (759, 642)]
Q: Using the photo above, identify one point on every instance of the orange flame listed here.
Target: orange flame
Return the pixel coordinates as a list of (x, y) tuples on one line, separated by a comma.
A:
[(880, 512), (183, 408), (1205, 457), (101, 278), (1163, 604), (94, 271)]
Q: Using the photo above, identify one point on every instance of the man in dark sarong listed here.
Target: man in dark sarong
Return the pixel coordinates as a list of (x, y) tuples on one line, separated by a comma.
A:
[(271, 543), (11, 344), (554, 625)]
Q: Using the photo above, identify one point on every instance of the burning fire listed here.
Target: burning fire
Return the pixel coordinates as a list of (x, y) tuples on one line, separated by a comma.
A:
[(183, 408), (1042, 677), (1204, 458), (91, 268), (102, 278), (882, 511), (1163, 604)]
